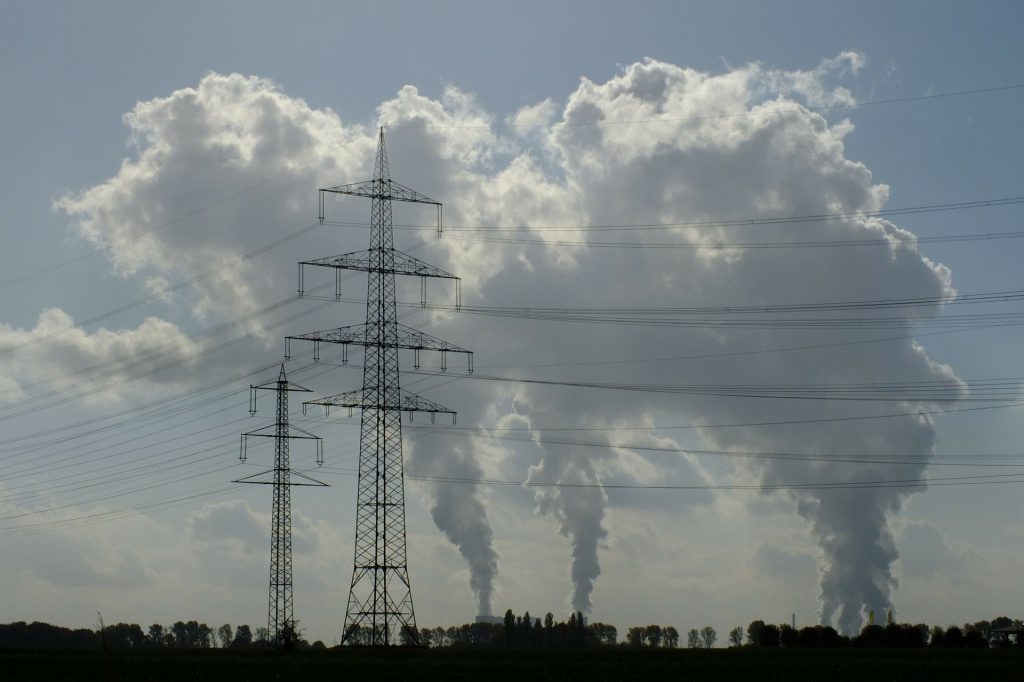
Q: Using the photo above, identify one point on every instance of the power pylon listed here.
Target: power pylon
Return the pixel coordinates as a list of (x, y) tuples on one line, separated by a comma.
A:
[(380, 596), (281, 622)]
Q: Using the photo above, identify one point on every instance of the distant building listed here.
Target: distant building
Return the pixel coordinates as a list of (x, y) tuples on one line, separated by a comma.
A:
[(1005, 635), (492, 620)]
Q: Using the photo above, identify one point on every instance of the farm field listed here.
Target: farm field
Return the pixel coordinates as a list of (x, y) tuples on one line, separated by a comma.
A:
[(525, 665)]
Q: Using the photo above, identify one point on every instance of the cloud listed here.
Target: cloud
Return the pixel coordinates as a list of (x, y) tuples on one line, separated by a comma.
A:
[(57, 349), (812, 86), (538, 115), (925, 551), (164, 214), (69, 559), (781, 563), (233, 521), (656, 143)]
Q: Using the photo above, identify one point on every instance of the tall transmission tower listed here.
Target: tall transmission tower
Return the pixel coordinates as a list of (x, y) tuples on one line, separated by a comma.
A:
[(281, 622), (380, 607)]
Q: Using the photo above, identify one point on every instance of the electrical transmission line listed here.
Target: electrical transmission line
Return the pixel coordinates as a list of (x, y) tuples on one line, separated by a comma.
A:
[(281, 621), (380, 597)]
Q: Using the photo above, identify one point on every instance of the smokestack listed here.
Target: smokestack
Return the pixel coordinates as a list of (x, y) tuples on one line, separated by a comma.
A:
[(490, 620)]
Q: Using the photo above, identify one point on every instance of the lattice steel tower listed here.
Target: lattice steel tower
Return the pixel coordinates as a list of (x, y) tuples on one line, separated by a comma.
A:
[(380, 604), (281, 611)]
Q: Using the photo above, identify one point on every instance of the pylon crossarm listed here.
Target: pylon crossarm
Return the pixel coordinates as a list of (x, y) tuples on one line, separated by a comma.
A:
[(362, 335), (351, 334), (311, 481), (272, 428), (291, 386), (279, 384), (365, 261), (254, 480), (383, 189), (306, 435), (410, 402), (350, 399), (407, 402)]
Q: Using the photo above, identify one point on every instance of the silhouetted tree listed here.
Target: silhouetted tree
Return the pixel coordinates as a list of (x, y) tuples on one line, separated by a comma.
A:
[(635, 637), (653, 635), (788, 637), (954, 637), (426, 637), (708, 636), (870, 635), (155, 635), (693, 638), (243, 637), (440, 637), (754, 632), (809, 636), (45, 636), (671, 637), (915, 635), (1001, 622), (225, 634), (974, 638), (510, 628), (124, 636), (895, 635), (769, 636), (180, 633), (829, 637), (407, 636), (736, 637), (602, 634)]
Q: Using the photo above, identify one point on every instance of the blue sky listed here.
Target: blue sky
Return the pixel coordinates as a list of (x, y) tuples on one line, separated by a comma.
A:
[(70, 73)]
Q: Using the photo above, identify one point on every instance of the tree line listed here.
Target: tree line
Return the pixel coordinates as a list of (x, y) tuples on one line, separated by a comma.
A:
[(181, 635), (980, 634), (528, 632), (520, 632)]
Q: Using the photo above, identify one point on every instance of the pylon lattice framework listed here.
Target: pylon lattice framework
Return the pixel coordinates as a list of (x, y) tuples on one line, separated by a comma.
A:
[(281, 623), (380, 597)]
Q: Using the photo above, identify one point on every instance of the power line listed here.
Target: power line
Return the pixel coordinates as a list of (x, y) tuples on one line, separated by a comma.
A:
[(994, 390), (733, 354), (772, 308), (648, 318), (302, 164), (710, 117), (724, 315), (768, 487), (184, 284), (950, 460), (784, 422), (94, 517), (191, 214), (725, 223), (209, 332), (713, 246)]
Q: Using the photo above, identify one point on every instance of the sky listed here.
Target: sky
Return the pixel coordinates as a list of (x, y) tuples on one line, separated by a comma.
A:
[(643, 451)]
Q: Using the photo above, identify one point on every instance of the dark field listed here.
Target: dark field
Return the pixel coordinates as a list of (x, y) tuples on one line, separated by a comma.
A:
[(523, 666)]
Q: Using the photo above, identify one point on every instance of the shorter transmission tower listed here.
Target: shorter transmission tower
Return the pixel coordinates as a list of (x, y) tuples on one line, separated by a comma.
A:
[(281, 622)]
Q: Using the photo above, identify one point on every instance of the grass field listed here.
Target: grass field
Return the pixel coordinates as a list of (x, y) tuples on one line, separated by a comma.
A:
[(523, 666)]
